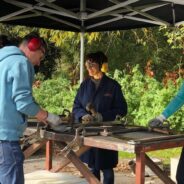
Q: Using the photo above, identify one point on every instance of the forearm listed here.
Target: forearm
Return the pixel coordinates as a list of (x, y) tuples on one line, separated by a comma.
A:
[(42, 116), (78, 110), (175, 104)]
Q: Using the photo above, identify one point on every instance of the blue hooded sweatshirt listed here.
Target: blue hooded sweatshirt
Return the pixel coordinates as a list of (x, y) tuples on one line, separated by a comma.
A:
[(16, 100)]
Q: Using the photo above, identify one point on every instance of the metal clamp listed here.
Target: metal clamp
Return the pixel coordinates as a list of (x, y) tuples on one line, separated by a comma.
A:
[(77, 141)]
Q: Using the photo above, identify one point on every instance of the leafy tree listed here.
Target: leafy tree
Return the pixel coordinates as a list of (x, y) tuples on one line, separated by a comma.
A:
[(47, 67), (125, 49)]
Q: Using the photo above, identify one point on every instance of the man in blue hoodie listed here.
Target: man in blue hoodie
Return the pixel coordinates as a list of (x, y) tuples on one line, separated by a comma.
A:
[(176, 103), (16, 103)]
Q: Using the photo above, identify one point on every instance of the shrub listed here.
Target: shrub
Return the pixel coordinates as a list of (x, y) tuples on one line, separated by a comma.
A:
[(55, 95), (147, 97)]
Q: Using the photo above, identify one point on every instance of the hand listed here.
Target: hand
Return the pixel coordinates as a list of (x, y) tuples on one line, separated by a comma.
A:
[(87, 119), (53, 119), (98, 117), (157, 122), (42, 116)]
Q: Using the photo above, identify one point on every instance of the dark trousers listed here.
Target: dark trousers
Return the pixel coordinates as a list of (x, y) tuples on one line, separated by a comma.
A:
[(180, 169), (11, 163), (108, 175)]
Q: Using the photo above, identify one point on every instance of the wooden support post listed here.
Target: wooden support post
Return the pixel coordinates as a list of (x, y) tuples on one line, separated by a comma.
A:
[(48, 161), (140, 167)]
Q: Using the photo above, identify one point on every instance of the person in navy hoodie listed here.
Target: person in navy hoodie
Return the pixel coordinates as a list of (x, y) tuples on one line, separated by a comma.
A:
[(16, 103), (105, 96)]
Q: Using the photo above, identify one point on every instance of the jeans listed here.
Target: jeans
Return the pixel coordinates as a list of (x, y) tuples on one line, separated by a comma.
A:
[(11, 163), (107, 173), (180, 172)]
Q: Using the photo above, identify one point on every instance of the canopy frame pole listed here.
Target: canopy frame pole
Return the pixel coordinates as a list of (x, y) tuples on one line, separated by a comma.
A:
[(81, 56), (173, 14), (83, 17)]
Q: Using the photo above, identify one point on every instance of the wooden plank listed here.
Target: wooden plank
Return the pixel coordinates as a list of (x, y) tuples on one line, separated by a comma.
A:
[(124, 144), (110, 143), (162, 144), (154, 139), (33, 148), (56, 136)]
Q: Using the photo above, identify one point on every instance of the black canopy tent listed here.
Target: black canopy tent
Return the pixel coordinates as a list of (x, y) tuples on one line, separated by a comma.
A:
[(92, 15)]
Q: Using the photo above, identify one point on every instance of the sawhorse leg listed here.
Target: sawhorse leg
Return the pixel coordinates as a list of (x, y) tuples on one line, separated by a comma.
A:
[(33, 148), (66, 161), (72, 157), (82, 168), (158, 171)]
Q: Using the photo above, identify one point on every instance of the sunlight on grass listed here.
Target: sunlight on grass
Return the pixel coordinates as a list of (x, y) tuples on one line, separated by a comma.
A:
[(163, 155)]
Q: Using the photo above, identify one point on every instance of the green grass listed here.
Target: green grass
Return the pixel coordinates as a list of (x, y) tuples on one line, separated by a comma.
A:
[(163, 155)]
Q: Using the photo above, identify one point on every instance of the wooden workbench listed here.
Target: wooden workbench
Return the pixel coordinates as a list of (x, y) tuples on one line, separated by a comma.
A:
[(139, 143)]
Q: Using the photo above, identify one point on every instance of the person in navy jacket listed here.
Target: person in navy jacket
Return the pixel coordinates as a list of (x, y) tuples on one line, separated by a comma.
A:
[(106, 97)]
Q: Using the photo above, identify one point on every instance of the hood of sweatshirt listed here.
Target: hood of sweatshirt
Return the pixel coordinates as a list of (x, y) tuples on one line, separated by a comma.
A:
[(8, 51)]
